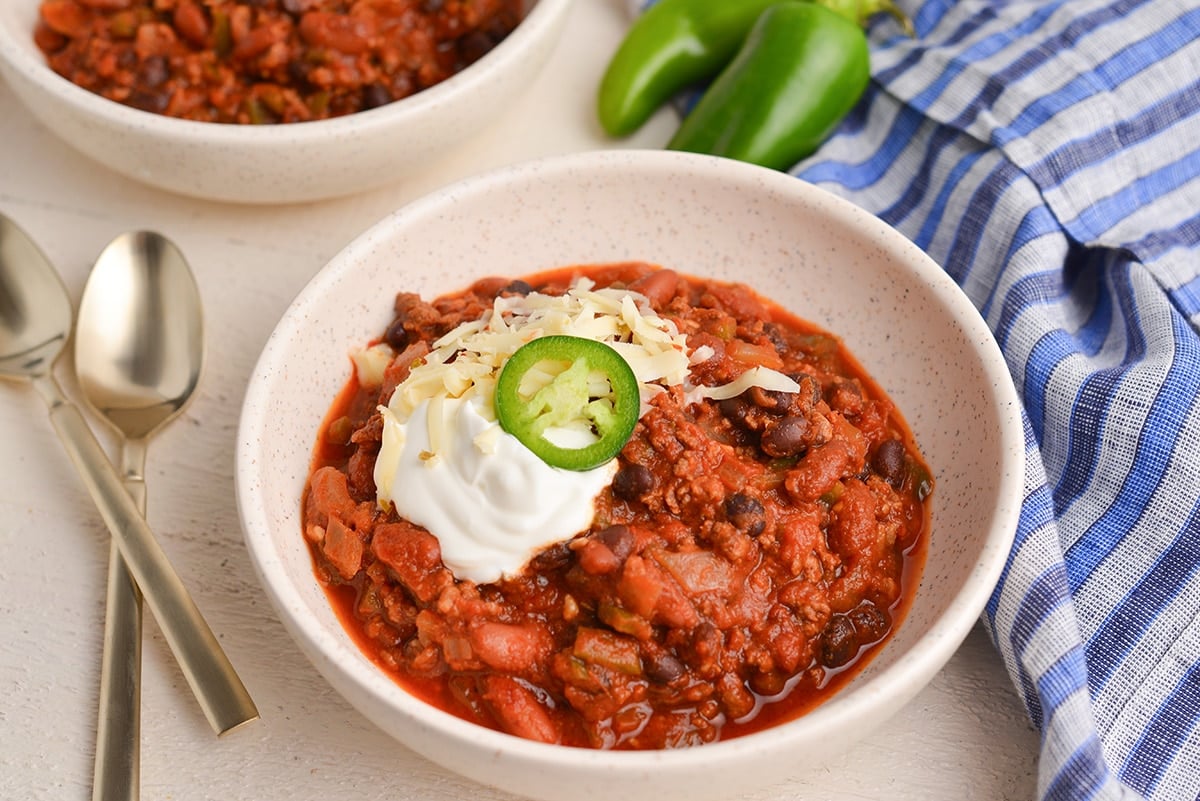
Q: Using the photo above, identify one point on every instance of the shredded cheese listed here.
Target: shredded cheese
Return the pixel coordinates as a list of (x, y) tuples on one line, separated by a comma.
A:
[(465, 362)]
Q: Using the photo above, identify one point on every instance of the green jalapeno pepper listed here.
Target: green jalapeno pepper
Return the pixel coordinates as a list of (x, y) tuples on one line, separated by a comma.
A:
[(673, 43), (567, 399), (678, 43), (800, 70)]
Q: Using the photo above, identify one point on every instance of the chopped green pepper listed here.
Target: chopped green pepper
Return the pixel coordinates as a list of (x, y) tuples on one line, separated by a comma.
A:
[(800, 70), (567, 399)]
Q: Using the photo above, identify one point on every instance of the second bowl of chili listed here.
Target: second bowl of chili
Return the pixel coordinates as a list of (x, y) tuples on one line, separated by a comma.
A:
[(271, 102), (714, 223)]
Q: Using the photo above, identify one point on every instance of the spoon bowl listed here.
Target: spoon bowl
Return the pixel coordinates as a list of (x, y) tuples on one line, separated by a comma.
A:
[(139, 343), (35, 310)]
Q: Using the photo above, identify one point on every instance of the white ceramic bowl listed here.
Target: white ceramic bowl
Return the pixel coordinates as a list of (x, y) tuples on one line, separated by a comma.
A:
[(819, 256), (277, 163)]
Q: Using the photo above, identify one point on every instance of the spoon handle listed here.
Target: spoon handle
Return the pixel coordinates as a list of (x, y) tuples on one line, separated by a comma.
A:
[(118, 735), (221, 694)]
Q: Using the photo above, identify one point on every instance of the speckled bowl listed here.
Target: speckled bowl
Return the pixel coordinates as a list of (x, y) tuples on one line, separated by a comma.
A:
[(823, 258), (277, 163)]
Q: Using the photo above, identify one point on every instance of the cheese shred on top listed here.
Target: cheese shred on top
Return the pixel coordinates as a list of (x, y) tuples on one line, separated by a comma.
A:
[(466, 362)]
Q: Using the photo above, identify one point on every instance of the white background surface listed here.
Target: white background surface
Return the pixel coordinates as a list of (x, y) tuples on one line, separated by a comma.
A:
[(965, 736)]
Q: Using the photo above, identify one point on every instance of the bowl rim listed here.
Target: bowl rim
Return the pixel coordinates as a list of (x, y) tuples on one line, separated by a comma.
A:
[(541, 16), (897, 682)]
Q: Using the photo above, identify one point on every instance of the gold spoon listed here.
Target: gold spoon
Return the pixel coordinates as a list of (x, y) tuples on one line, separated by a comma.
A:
[(139, 351), (35, 322)]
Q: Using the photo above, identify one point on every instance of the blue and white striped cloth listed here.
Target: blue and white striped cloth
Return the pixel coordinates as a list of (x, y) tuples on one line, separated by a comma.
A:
[(1047, 154)]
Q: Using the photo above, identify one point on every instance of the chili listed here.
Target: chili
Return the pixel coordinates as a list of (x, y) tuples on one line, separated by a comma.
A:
[(268, 61), (566, 399), (749, 557)]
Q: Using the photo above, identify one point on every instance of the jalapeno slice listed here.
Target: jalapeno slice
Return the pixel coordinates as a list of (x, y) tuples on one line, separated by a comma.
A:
[(571, 401)]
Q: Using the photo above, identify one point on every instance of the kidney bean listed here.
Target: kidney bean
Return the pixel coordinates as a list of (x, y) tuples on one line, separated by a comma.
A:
[(254, 43), (595, 558), (191, 23), (154, 39), (107, 5), (658, 287), (47, 39), (619, 539), (346, 34), (663, 668), (66, 17), (817, 471)]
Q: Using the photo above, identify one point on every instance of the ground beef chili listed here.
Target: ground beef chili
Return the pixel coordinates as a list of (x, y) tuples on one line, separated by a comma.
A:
[(266, 61), (749, 555)]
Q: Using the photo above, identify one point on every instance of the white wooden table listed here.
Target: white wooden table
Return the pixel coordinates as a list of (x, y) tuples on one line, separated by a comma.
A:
[(965, 736)]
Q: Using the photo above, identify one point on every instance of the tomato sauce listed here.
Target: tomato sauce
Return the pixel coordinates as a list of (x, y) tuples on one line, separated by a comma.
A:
[(749, 558), (266, 61)]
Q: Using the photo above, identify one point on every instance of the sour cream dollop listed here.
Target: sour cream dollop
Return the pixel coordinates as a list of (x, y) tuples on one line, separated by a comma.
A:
[(491, 503), (446, 464)]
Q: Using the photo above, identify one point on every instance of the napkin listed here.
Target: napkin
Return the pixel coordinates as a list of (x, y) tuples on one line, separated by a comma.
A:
[(1047, 154)]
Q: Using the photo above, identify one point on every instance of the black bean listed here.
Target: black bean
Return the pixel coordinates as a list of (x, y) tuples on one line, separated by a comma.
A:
[(397, 336), (746, 513), (870, 622), (810, 390), (554, 557), (154, 71), (735, 409), (839, 642), (632, 482), (375, 95), (474, 46), (788, 437), (771, 400), (298, 7), (845, 396), (518, 287), (777, 337), (663, 668), (618, 539), (149, 101), (889, 462), (297, 72), (432, 6)]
